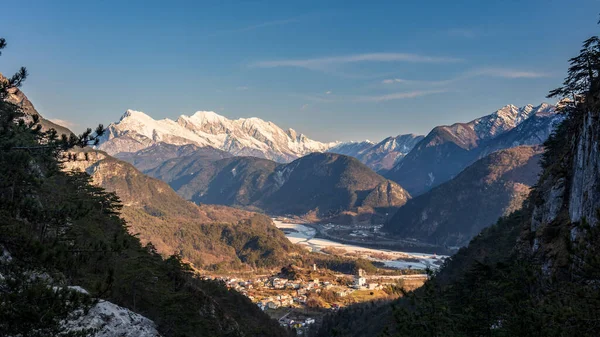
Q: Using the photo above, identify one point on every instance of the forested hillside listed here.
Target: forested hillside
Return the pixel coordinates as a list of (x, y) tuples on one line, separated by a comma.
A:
[(454, 212), (319, 185), (209, 236)]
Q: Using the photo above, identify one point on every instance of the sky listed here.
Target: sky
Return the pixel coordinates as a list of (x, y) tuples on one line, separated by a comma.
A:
[(333, 70)]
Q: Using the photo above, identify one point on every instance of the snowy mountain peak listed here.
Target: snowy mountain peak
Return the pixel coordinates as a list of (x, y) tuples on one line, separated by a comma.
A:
[(206, 117), (545, 109), (129, 113), (245, 136), (505, 119)]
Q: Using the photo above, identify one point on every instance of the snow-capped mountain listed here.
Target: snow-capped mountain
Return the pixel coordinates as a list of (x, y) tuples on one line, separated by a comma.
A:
[(385, 154), (381, 156), (449, 149), (241, 137), (507, 118), (353, 149)]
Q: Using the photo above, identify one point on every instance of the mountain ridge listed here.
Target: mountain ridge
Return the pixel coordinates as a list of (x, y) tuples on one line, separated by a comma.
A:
[(18, 98), (447, 150), (244, 136), (322, 184), (452, 213)]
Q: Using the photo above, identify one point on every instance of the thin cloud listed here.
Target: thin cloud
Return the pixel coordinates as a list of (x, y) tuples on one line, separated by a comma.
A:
[(328, 92), (481, 72), (398, 95), (63, 122), (417, 82), (323, 63), (242, 88), (509, 73), (304, 106)]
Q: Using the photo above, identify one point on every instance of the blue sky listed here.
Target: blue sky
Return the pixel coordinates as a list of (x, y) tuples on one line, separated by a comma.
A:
[(334, 70)]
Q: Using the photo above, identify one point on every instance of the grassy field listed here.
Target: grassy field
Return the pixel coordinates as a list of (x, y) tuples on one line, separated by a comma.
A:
[(364, 295)]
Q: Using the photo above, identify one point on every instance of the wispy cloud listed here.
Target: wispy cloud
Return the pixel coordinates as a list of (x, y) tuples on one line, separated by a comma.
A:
[(328, 92), (398, 95), (416, 82), (242, 88), (463, 33), (479, 72), (509, 73), (322, 63), (63, 122)]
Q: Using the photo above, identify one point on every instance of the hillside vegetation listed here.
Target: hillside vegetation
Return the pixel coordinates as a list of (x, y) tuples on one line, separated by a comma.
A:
[(321, 185), (209, 236), (454, 212)]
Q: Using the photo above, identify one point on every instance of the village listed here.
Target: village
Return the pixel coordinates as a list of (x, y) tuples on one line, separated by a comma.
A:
[(299, 297)]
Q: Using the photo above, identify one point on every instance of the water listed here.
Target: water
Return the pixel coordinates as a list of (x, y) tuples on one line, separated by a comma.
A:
[(305, 236)]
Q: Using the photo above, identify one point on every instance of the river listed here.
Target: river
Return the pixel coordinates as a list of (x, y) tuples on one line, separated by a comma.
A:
[(305, 236)]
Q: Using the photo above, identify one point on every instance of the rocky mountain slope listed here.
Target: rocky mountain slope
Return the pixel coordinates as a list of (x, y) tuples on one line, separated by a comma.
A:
[(452, 213), (241, 137), (173, 225), (447, 150), (16, 96), (324, 185), (381, 156)]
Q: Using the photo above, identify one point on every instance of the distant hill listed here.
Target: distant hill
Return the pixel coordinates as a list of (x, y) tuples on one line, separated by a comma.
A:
[(151, 157), (209, 236), (452, 213), (324, 185), (447, 150)]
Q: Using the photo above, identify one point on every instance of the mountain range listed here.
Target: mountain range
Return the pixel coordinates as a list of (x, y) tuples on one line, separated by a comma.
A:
[(210, 159), (241, 137), (324, 185), (447, 150), (136, 131)]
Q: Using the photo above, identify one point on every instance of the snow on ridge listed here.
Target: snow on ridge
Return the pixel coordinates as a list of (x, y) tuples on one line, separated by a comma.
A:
[(506, 118), (136, 130)]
